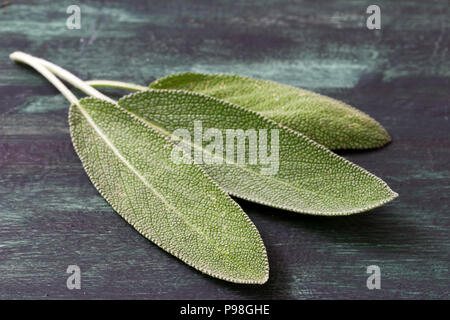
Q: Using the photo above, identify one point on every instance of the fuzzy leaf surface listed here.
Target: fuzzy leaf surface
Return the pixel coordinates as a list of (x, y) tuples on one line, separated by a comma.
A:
[(179, 208), (310, 178), (330, 122)]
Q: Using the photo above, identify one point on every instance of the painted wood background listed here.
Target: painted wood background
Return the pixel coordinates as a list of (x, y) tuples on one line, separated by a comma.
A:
[(51, 216)]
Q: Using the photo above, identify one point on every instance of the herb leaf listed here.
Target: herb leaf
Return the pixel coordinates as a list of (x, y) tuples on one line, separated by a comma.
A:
[(310, 178), (330, 122), (179, 208)]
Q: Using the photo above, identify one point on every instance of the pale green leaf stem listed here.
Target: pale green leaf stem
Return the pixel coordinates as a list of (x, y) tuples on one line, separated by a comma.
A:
[(115, 84)]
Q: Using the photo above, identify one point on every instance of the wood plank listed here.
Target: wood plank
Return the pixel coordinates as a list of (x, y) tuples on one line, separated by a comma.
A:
[(51, 216)]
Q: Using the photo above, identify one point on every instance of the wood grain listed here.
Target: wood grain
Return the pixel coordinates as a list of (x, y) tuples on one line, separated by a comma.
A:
[(51, 216)]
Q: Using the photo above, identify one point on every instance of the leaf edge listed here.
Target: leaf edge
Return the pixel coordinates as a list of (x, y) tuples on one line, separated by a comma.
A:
[(148, 237)]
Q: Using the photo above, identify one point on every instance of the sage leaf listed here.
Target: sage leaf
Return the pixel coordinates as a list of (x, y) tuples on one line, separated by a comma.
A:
[(177, 207), (309, 178), (330, 122)]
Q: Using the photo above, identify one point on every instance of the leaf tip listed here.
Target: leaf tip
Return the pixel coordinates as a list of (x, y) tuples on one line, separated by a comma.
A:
[(259, 280)]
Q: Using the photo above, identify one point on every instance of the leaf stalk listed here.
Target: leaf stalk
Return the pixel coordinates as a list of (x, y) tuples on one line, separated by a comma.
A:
[(37, 65), (50, 70), (115, 84)]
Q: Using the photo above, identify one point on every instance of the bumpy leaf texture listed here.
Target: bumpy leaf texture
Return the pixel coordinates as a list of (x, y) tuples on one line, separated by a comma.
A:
[(179, 208), (330, 122), (308, 178)]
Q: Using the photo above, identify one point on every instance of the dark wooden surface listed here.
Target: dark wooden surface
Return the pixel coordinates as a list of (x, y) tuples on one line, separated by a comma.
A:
[(51, 216)]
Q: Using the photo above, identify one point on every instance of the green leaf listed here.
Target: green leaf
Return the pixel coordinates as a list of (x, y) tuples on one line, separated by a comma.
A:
[(177, 207), (309, 179), (327, 121)]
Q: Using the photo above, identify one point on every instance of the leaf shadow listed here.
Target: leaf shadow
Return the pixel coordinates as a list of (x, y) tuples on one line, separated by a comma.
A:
[(379, 226), (278, 278), (379, 230), (356, 152)]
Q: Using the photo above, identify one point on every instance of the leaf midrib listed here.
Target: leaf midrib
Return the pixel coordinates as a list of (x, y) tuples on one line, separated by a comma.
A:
[(142, 178), (266, 177)]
